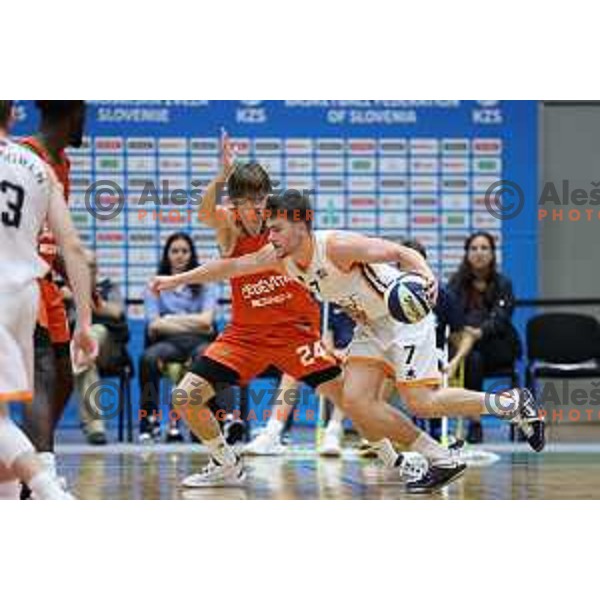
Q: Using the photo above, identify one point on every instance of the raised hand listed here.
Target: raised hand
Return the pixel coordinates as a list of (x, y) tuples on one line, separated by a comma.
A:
[(228, 153)]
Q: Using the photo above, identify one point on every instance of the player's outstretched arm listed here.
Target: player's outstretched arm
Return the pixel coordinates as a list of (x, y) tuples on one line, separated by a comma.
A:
[(76, 262), (221, 269)]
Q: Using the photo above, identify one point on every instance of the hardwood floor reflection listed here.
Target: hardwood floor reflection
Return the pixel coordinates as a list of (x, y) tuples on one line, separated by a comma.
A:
[(140, 474)]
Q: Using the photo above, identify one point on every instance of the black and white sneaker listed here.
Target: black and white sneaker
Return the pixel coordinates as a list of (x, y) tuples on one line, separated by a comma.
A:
[(529, 418), (437, 477), (234, 430)]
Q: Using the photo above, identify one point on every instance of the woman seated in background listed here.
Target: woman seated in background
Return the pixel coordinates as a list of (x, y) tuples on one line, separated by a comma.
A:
[(486, 297), (179, 324)]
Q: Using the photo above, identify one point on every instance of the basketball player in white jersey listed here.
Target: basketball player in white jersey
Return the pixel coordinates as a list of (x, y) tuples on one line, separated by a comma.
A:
[(353, 271), (30, 195)]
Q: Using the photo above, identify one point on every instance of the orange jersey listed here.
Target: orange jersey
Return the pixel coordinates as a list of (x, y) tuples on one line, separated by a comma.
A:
[(52, 314), (269, 297)]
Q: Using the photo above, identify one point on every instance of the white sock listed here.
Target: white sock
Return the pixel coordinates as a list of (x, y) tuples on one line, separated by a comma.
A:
[(386, 453), (274, 427), (431, 450), (45, 487), (10, 490), (221, 451), (49, 461), (334, 428)]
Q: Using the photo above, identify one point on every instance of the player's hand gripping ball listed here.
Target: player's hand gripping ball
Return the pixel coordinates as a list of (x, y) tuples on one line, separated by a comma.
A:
[(409, 298)]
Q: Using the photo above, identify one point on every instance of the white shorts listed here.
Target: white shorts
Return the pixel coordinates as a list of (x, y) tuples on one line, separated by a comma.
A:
[(18, 313), (406, 352)]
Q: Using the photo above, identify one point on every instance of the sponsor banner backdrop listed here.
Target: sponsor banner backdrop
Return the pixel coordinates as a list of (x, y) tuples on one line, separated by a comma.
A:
[(391, 168)]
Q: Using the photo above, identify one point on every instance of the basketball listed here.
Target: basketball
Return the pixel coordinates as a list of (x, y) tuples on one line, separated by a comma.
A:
[(407, 300)]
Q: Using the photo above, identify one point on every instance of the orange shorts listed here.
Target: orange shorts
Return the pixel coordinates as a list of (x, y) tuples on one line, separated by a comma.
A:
[(52, 314), (295, 349)]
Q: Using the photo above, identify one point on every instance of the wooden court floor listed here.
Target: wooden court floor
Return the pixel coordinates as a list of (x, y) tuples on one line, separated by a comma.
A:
[(564, 471)]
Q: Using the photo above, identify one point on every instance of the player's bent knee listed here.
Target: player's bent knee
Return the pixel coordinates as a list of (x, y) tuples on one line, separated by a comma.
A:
[(352, 406), (421, 405)]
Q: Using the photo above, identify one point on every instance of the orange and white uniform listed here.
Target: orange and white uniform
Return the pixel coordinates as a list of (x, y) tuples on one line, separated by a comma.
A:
[(52, 313), (275, 321), (25, 190)]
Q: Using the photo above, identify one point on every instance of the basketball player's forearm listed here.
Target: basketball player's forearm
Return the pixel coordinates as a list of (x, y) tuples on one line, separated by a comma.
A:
[(79, 277), (411, 260), (73, 251)]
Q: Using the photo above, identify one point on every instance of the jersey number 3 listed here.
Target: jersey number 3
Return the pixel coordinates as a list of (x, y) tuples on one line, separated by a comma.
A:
[(14, 197)]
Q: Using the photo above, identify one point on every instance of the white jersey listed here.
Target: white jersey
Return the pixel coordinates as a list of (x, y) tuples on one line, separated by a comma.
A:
[(359, 292), (406, 352), (25, 189)]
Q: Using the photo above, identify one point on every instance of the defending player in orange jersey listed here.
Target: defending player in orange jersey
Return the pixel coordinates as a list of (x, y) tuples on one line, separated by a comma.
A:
[(275, 321)]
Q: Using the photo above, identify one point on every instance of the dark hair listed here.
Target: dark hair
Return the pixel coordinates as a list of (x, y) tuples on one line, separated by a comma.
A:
[(464, 277), (415, 245), (164, 268), (5, 112), (55, 110), (249, 181), (292, 205)]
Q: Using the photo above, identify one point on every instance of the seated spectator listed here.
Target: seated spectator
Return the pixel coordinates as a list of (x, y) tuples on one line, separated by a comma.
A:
[(487, 301), (111, 332), (179, 324)]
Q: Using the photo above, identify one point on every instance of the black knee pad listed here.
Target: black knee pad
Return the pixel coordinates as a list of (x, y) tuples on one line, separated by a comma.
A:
[(217, 374), (314, 380)]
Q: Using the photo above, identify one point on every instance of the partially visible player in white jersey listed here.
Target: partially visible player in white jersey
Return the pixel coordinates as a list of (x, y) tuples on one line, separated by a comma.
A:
[(30, 195), (353, 271)]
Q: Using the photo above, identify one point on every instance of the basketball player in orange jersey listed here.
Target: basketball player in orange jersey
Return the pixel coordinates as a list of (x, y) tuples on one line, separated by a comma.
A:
[(219, 219), (29, 196), (274, 321), (354, 271), (61, 126)]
